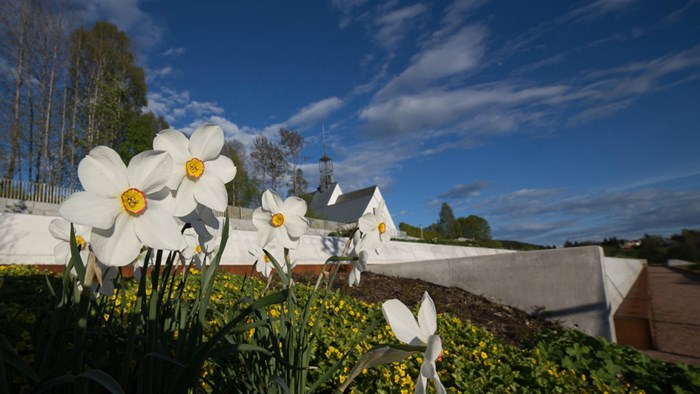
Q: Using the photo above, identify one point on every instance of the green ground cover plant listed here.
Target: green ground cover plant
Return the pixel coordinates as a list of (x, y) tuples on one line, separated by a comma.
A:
[(473, 361)]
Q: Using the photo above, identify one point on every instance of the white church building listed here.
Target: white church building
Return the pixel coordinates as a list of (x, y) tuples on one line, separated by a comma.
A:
[(329, 201)]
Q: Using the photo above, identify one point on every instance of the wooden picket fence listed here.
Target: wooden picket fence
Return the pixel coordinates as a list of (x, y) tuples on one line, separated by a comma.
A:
[(33, 191)]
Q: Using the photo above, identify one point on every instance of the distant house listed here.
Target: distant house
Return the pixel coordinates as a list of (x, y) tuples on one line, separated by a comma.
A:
[(329, 201)]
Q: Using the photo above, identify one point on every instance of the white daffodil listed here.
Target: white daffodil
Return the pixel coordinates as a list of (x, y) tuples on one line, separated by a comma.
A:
[(281, 221), (358, 267), (199, 171), (263, 263), (126, 207), (198, 248), (60, 229), (373, 228), (418, 333)]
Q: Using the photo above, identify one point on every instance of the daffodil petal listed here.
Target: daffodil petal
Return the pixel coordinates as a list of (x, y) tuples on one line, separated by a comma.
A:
[(439, 388), (296, 225), (162, 201), (60, 229), (61, 253), (368, 222), (150, 170), (420, 384), (286, 240), (294, 206), (222, 167), (362, 262), (206, 142), (211, 192), (370, 241), (271, 201), (427, 315), (433, 348), (402, 323), (117, 246), (90, 209), (261, 219), (103, 172), (157, 229), (266, 235), (184, 198), (175, 143), (354, 277)]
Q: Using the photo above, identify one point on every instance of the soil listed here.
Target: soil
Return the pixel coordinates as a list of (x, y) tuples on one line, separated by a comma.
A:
[(508, 324)]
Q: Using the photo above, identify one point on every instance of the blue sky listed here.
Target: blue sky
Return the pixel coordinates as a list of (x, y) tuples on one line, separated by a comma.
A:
[(553, 120)]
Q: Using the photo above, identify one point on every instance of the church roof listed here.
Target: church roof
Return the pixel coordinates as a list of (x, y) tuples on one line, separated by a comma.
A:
[(320, 199), (348, 207), (368, 191)]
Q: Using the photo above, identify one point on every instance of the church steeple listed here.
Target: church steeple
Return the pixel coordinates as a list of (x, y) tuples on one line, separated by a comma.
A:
[(325, 167)]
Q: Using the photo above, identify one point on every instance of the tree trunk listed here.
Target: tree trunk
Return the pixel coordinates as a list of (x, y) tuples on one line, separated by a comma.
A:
[(14, 146)]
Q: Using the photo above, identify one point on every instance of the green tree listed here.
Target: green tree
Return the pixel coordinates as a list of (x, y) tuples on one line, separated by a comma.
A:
[(297, 184), (139, 134), (474, 227), (292, 143), (446, 220), (109, 87), (243, 190)]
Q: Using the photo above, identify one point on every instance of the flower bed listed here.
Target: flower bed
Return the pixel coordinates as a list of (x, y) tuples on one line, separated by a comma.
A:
[(472, 361)]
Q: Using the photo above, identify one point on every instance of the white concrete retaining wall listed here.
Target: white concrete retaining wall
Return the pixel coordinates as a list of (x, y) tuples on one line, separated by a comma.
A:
[(25, 239), (571, 285), (678, 263)]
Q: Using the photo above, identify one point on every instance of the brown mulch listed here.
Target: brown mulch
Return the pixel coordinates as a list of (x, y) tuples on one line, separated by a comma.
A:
[(508, 324)]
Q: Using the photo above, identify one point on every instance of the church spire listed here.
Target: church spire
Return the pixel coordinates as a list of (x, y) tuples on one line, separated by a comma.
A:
[(325, 167)]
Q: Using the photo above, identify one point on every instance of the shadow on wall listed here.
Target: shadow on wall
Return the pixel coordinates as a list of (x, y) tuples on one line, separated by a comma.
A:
[(332, 245), (9, 235)]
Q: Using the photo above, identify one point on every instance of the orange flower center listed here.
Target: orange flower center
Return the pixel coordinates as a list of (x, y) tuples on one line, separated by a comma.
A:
[(440, 357), (194, 168), (277, 220), (134, 201), (80, 242), (382, 228)]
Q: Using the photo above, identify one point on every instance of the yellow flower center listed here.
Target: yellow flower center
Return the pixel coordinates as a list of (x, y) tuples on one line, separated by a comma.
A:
[(198, 249), (194, 168), (382, 228), (134, 201), (277, 220), (267, 259), (80, 241)]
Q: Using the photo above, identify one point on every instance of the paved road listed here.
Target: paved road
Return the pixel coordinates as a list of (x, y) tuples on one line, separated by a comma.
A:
[(675, 304)]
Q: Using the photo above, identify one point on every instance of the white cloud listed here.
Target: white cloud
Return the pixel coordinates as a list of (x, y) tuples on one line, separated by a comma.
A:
[(174, 105), (153, 74), (175, 51), (315, 112), (127, 15), (459, 53), (347, 8), (393, 26), (442, 108)]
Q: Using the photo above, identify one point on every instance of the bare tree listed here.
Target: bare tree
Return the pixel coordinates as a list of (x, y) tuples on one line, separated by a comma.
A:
[(292, 143)]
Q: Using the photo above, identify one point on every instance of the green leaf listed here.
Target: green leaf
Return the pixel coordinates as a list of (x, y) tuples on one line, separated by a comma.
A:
[(103, 379), (75, 256), (380, 355)]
